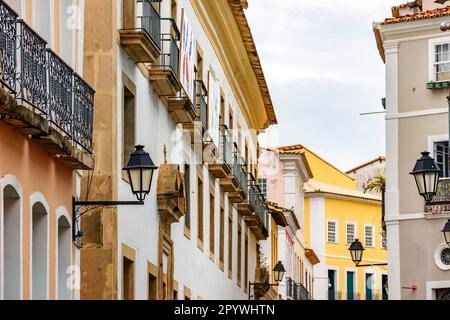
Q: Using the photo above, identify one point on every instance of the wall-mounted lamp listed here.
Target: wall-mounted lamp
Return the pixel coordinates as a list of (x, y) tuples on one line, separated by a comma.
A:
[(140, 170)]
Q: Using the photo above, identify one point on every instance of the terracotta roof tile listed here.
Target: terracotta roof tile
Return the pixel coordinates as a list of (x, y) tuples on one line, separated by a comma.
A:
[(428, 14)]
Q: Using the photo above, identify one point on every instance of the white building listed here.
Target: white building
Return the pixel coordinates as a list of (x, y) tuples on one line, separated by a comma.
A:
[(197, 235)]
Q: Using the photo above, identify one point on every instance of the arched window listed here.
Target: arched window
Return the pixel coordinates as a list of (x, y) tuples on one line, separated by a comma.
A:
[(11, 243), (64, 242), (39, 260)]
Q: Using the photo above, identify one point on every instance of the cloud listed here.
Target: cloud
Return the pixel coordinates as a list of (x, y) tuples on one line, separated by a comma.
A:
[(323, 69)]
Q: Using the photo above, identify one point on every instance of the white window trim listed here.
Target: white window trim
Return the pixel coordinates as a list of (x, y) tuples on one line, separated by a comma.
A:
[(437, 257), (336, 279), (431, 48), (433, 285), (356, 231), (336, 240), (374, 238)]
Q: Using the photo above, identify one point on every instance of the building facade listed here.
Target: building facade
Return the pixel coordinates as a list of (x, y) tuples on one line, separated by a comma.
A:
[(46, 112), (281, 180), (183, 79), (365, 173), (415, 51), (335, 214)]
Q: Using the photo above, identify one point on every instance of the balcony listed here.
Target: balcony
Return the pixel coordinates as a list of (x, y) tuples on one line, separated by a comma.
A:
[(224, 158), (142, 41), (197, 128), (443, 194), (248, 206), (163, 75), (296, 291), (41, 96), (258, 222)]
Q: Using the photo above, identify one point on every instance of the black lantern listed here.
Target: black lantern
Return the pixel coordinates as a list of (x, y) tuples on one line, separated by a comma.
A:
[(426, 173), (279, 272), (356, 251), (140, 170), (446, 232)]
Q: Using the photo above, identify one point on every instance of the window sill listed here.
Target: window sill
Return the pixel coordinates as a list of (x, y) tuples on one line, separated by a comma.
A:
[(438, 85)]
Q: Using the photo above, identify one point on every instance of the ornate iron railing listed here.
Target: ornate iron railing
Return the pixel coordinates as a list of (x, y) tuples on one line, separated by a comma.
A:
[(296, 291), (60, 93), (32, 62), (353, 296), (169, 42), (43, 82), (251, 190), (150, 21), (201, 104), (8, 54)]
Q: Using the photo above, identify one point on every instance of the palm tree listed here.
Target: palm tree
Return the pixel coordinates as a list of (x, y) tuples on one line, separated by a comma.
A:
[(378, 184)]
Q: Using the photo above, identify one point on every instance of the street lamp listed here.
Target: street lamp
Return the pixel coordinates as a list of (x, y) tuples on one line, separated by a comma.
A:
[(140, 169), (426, 173), (278, 272), (446, 232), (356, 252)]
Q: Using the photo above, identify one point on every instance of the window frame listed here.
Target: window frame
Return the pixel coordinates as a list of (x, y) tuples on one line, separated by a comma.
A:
[(355, 231), (336, 231), (373, 236), (432, 43)]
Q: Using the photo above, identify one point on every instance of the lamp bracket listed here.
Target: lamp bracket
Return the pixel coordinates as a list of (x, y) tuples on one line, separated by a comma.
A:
[(76, 204), (371, 265)]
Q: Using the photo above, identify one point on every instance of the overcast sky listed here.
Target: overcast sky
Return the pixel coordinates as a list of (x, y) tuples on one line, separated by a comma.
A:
[(323, 69)]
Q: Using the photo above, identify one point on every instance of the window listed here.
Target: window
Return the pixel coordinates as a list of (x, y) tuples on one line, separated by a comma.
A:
[(350, 233), (230, 242), (230, 118), (128, 125), (368, 236), (239, 254), (263, 186), (152, 287), (383, 240), (222, 110), (211, 226), (187, 216), (442, 157), (441, 68), (332, 231), (199, 65), (128, 279), (200, 209), (222, 238)]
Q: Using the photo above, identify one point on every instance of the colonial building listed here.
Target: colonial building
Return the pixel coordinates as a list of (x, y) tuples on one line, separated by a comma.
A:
[(46, 111), (183, 79), (335, 214), (365, 173), (281, 181), (415, 52)]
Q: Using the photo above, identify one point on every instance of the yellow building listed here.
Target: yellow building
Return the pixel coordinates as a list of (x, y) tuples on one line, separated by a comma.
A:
[(336, 214)]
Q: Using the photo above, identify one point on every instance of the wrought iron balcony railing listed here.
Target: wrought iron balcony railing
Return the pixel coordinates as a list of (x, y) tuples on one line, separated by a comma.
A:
[(150, 21), (200, 102), (262, 210), (251, 190), (334, 295), (43, 82), (170, 36), (296, 291)]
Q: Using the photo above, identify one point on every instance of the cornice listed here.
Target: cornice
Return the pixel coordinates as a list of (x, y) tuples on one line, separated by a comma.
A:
[(219, 24)]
